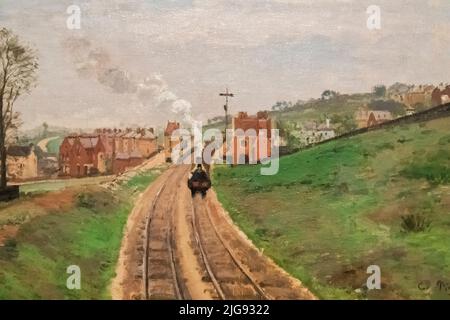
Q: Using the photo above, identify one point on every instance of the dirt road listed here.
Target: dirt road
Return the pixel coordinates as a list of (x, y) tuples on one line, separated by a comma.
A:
[(176, 247)]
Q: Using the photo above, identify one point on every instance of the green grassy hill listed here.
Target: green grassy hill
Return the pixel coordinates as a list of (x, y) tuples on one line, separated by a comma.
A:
[(53, 145), (313, 110), (379, 198)]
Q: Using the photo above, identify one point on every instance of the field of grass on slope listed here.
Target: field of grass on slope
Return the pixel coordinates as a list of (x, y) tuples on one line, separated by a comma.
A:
[(382, 198), (54, 144), (80, 225)]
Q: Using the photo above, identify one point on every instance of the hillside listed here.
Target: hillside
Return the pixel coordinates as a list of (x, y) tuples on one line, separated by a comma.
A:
[(314, 109), (289, 117), (378, 198)]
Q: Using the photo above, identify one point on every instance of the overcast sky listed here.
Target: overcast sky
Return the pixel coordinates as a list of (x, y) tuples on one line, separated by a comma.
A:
[(142, 62)]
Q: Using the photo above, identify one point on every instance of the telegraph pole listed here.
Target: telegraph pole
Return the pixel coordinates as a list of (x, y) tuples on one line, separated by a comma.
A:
[(227, 95)]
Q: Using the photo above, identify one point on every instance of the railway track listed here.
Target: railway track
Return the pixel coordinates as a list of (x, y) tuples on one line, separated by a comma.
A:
[(228, 275), (227, 271), (162, 276)]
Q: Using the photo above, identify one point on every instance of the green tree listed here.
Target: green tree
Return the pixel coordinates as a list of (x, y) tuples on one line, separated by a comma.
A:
[(392, 106), (328, 94), (287, 130), (379, 91), (281, 105), (17, 76)]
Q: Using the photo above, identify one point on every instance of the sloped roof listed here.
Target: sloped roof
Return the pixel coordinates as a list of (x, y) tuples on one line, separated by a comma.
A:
[(130, 134), (135, 154), (89, 142), (147, 135), (19, 151), (70, 140), (122, 156)]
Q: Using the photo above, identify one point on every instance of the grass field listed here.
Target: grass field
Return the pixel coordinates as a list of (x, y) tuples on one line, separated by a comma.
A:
[(81, 225), (382, 198), (53, 145)]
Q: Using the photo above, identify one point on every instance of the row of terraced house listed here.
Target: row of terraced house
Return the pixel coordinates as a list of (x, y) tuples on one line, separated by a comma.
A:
[(106, 151)]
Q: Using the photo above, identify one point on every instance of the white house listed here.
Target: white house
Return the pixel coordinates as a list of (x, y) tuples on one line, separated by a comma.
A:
[(312, 133)]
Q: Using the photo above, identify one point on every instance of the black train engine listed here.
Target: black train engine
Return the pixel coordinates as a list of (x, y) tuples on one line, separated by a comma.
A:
[(199, 181)]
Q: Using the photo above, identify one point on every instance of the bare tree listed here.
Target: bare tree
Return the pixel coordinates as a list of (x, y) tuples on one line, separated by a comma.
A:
[(17, 76)]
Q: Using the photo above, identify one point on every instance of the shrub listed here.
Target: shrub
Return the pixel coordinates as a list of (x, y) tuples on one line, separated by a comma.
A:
[(386, 145), (86, 200), (415, 223), (444, 140), (435, 173), (9, 249)]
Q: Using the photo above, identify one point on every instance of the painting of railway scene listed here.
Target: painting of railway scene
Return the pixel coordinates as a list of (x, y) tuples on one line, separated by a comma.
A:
[(224, 150)]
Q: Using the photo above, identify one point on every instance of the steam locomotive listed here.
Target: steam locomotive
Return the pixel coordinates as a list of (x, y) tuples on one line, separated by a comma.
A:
[(199, 182)]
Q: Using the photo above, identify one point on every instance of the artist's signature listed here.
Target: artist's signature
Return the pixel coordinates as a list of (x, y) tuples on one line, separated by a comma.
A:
[(439, 285)]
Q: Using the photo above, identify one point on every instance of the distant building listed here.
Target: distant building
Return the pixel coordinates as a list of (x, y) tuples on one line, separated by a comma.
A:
[(83, 155), (48, 166), (412, 95), (106, 151), (170, 143), (311, 133), (21, 162), (368, 118), (124, 161), (441, 95), (258, 122), (410, 111)]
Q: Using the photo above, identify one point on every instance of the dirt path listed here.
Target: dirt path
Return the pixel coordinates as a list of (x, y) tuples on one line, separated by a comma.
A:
[(194, 251)]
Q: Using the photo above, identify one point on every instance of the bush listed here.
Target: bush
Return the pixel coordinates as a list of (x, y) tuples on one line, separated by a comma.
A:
[(444, 140), (86, 200), (434, 173), (385, 145), (9, 249), (392, 106), (415, 223)]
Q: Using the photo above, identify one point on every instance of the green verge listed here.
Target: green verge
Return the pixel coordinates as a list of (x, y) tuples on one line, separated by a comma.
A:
[(53, 145), (33, 265), (333, 210)]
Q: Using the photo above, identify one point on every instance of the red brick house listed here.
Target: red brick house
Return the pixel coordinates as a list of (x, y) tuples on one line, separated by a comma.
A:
[(440, 95), (65, 154), (368, 118), (106, 151), (124, 161), (258, 122), (86, 157)]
